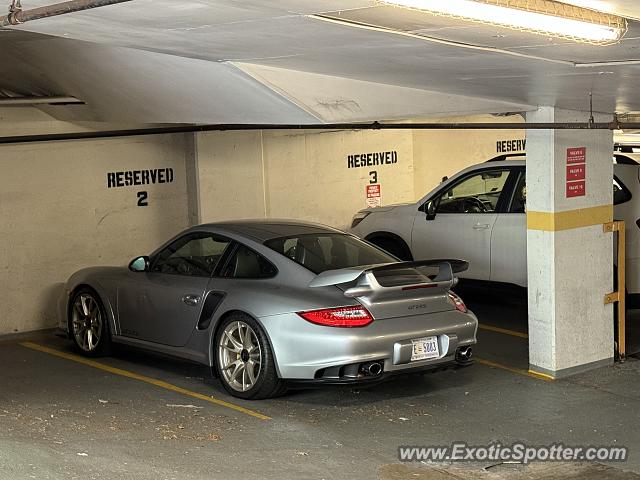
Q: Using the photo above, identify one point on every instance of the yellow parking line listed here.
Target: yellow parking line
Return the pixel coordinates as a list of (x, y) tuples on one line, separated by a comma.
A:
[(491, 328), (518, 371), (142, 378)]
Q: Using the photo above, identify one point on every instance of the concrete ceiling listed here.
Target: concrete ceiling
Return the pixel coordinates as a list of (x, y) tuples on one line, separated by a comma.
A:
[(260, 61), (624, 8)]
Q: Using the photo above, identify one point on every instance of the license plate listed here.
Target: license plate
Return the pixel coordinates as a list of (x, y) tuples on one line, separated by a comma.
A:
[(424, 348)]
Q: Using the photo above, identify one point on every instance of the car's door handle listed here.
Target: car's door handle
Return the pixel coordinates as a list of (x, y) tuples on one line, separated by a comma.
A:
[(481, 226), (191, 300)]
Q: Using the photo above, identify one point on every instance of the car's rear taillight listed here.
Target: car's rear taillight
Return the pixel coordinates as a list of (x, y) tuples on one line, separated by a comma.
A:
[(458, 303), (346, 317)]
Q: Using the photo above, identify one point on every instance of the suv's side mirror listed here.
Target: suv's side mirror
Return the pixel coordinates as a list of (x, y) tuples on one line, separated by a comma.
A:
[(430, 210), (139, 264)]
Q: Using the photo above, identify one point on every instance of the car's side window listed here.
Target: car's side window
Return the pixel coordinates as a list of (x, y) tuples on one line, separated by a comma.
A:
[(196, 254), (519, 199), (478, 193), (245, 263)]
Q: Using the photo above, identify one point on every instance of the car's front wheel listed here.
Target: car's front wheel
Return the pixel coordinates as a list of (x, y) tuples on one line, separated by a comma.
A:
[(244, 359), (88, 324)]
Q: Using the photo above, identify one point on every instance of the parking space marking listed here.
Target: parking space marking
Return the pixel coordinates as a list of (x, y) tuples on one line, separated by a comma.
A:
[(142, 378), (518, 371), (506, 331)]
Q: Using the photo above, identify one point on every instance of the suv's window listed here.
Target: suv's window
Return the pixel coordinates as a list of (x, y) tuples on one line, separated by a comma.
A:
[(625, 160), (477, 193), (196, 254), (245, 263), (621, 194), (519, 199), (330, 251)]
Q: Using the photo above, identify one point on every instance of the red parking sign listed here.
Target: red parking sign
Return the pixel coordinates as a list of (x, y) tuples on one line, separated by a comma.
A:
[(576, 189), (576, 172), (576, 155)]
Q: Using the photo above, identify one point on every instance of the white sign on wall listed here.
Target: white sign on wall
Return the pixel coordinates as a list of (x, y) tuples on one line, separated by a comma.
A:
[(373, 195)]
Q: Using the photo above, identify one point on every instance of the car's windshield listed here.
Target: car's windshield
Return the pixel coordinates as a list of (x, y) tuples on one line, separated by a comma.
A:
[(328, 251)]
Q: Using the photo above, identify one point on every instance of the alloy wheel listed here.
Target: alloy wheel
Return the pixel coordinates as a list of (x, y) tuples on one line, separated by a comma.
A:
[(240, 356), (86, 321)]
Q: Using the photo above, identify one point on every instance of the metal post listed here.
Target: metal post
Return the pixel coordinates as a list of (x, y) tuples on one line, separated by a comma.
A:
[(619, 296), (622, 292)]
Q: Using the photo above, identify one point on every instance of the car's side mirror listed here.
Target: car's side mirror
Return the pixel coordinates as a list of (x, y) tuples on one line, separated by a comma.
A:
[(430, 210), (139, 264)]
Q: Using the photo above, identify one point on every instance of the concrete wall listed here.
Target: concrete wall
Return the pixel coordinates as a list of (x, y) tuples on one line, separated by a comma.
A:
[(305, 174), (230, 175), (439, 153), (31, 121), (300, 175), (58, 215)]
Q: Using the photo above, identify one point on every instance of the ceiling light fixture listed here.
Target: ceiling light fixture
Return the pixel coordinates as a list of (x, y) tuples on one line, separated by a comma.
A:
[(546, 17)]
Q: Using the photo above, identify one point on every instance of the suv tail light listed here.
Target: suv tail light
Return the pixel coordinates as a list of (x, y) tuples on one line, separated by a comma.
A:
[(345, 317), (457, 302), (358, 217)]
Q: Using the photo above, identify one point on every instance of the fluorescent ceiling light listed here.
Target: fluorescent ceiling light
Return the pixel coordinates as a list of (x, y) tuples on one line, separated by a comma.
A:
[(545, 17)]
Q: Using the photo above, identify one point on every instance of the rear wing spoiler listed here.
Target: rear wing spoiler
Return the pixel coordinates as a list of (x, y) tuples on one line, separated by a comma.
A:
[(368, 284)]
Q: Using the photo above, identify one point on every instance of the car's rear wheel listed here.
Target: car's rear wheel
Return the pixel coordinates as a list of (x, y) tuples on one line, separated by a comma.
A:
[(244, 359), (88, 324)]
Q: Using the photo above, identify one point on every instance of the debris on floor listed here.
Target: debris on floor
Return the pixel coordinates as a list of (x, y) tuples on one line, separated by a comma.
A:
[(537, 471)]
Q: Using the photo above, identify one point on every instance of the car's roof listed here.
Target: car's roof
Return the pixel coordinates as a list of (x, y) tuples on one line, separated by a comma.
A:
[(262, 230)]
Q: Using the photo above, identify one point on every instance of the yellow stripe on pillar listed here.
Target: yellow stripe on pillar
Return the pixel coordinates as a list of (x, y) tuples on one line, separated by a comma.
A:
[(568, 220)]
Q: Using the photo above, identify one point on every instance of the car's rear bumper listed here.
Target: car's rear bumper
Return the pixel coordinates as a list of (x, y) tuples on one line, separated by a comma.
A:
[(304, 351), (362, 381)]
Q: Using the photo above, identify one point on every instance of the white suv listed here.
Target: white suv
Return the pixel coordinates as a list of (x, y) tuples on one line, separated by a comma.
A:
[(479, 215)]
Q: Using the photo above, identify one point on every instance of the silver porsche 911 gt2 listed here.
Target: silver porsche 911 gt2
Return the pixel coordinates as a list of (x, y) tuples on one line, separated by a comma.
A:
[(271, 304)]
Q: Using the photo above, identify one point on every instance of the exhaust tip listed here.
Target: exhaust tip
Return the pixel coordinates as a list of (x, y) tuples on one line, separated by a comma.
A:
[(372, 368), (375, 369), (464, 354)]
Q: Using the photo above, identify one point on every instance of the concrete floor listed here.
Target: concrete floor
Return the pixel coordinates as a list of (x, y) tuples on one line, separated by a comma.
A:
[(63, 419)]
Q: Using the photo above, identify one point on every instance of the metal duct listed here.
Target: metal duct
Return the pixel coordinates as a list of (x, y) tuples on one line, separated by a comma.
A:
[(329, 126), (18, 16)]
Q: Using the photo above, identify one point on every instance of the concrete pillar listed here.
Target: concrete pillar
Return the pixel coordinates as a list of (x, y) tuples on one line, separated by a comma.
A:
[(569, 257)]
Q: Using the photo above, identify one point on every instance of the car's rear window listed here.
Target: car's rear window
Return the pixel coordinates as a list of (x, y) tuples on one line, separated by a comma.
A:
[(321, 252)]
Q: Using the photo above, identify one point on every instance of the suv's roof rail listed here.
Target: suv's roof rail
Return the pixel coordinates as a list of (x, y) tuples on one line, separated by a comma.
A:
[(626, 147), (506, 156), (619, 159)]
